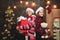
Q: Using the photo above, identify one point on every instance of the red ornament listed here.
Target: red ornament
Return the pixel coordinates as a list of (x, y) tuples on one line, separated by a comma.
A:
[(49, 9)]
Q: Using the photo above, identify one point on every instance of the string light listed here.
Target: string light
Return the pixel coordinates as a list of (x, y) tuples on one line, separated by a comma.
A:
[(14, 7), (26, 3), (48, 2), (54, 6), (33, 4), (21, 2)]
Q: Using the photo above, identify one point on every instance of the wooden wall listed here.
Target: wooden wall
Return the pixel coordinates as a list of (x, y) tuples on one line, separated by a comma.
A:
[(50, 18)]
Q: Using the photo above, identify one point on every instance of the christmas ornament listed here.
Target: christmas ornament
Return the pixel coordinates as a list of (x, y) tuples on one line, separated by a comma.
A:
[(49, 9)]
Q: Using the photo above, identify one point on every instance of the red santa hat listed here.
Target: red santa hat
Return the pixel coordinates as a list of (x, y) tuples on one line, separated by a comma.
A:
[(39, 9), (29, 9)]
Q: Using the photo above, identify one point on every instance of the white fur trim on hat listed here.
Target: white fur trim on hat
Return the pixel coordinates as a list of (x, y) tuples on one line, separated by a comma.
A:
[(39, 9), (42, 36), (30, 9), (46, 36)]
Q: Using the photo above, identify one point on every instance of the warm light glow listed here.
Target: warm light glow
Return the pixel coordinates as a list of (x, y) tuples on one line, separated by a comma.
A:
[(21, 1), (33, 4), (48, 2), (13, 14), (14, 7), (5, 25), (6, 30), (54, 6), (26, 3)]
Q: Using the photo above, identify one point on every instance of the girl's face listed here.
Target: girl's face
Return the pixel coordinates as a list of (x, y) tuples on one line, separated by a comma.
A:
[(41, 13), (29, 13)]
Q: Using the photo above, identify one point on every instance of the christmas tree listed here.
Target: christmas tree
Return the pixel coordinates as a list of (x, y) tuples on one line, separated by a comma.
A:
[(9, 25)]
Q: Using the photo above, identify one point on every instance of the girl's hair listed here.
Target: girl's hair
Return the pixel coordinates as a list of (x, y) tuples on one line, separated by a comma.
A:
[(37, 15)]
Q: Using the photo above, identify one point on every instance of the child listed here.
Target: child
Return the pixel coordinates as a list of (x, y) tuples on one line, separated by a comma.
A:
[(40, 25), (31, 19), (27, 25), (38, 21)]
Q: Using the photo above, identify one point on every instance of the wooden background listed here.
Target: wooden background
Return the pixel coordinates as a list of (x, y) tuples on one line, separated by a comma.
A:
[(50, 18)]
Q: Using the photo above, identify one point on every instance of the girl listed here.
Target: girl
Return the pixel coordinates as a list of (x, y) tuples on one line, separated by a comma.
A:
[(42, 32), (38, 21), (31, 19)]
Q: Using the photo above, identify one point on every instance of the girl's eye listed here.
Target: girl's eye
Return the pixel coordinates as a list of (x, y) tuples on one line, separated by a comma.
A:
[(40, 12)]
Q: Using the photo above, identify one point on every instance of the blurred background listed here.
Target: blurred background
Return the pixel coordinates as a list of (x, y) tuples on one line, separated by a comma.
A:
[(11, 9)]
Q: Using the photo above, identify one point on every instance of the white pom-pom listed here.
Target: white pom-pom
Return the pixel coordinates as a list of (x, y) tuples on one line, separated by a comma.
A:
[(42, 36), (44, 25), (46, 36)]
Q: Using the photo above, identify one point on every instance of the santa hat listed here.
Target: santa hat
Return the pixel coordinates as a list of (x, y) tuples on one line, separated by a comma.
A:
[(30, 9), (39, 9), (44, 25)]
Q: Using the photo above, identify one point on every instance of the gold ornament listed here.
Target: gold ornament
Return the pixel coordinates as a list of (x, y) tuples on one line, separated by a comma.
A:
[(9, 10)]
